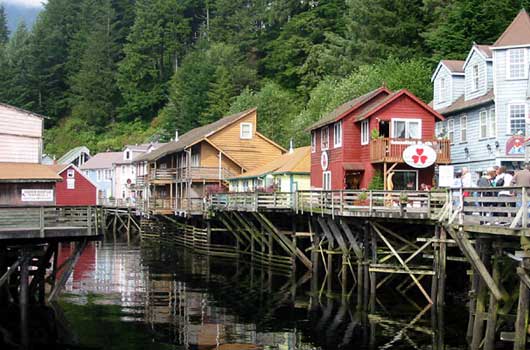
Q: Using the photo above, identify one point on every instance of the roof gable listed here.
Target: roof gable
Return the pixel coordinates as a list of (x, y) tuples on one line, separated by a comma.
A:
[(27, 172), (104, 160), (72, 154), (391, 99), (60, 168), (480, 50), (348, 107), (454, 67), (193, 136), (517, 33)]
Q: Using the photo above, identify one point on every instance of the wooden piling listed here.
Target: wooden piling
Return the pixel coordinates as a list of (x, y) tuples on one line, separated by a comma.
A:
[(493, 305), (480, 308), (521, 321)]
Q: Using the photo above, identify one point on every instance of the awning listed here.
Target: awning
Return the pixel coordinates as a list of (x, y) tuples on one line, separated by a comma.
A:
[(353, 166)]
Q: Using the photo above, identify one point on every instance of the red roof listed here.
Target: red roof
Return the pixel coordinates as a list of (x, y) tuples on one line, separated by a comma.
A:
[(517, 33)]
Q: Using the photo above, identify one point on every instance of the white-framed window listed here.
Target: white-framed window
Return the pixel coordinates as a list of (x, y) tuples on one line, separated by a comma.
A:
[(324, 138), (443, 90), (517, 113), (475, 77), (123, 169), (463, 128), (99, 175), (127, 155), (313, 141), (70, 173), (337, 134), (451, 130), (406, 128), (326, 180), (365, 132), (245, 131), (107, 174), (484, 130), (517, 67), (439, 129), (492, 122)]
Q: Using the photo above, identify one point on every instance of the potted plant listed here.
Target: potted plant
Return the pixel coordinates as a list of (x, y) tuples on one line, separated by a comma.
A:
[(403, 199), (362, 199), (375, 134)]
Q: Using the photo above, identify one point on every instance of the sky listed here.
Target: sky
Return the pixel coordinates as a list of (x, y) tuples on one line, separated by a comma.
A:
[(26, 3)]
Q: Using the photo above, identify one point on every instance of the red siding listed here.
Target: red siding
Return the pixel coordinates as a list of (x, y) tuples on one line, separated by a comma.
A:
[(84, 192), (352, 150)]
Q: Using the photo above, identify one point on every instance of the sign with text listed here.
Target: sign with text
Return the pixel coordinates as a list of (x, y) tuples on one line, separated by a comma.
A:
[(29, 195), (446, 175), (419, 156)]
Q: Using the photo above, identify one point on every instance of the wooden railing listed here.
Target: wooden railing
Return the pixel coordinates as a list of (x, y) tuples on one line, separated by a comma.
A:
[(167, 174), (391, 150), (40, 222), (203, 173), (141, 180)]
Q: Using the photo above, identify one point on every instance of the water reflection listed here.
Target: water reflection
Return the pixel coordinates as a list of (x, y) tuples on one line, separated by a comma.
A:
[(147, 297)]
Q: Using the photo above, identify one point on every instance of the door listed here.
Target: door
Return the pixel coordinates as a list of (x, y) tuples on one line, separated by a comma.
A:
[(352, 180), (405, 180), (384, 129)]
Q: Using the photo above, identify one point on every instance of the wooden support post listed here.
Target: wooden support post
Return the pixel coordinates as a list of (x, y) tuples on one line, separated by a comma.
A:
[(293, 238), (480, 308), (315, 245), (493, 306), (23, 298), (329, 275), (114, 225), (521, 321), (442, 254), (128, 225), (475, 278), (373, 276)]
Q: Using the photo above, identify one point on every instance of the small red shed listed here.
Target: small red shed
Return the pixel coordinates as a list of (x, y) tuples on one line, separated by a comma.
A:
[(75, 189), (371, 134)]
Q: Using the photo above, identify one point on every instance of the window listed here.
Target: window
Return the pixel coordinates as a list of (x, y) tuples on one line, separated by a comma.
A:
[(108, 174), (99, 175), (463, 128), (326, 180), (517, 114), (365, 132), (406, 128), (246, 130), (405, 180), (70, 173), (517, 64), (475, 77), (337, 134), (451, 130), (195, 159), (324, 138), (127, 155), (492, 123), (313, 141), (484, 130), (123, 169), (439, 129), (443, 90)]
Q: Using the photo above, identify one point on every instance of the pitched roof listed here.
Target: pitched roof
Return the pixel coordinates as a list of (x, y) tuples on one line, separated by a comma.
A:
[(297, 162), (349, 106), (455, 66), (461, 104), (193, 136), (517, 33), (485, 49), (72, 154), (27, 172), (382, 103), (21, 110), (103, 160)]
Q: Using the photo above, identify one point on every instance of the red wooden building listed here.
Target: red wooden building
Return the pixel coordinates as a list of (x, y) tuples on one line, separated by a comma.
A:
[(75, 189), (369, 134)]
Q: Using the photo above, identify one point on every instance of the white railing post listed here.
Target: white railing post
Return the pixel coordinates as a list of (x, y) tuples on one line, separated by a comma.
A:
[(41, 221), (524, 196), (461, 209), (370, 202)]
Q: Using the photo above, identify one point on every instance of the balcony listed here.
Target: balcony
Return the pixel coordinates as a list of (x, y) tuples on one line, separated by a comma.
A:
[(203, 173), (162, 175), (390, 150), (141, 180)]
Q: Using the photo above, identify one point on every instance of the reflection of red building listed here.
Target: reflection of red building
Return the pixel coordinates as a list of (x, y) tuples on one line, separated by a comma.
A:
[(369, 134), (84, 266), (75, 189)]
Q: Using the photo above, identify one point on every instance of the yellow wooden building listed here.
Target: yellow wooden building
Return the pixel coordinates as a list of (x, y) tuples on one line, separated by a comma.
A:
[(288, 173), (181, 173)]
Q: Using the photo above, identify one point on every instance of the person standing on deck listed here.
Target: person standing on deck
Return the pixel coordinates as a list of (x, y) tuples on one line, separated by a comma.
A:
[(503, 179), (522, 177)]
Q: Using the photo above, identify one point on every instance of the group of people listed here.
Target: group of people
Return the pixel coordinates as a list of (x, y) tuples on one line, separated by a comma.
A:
[(496, 176)]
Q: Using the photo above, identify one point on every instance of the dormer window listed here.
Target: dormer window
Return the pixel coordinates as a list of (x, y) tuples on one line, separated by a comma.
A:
[(443, 90), (517, 68), (474, 77), (127, 155), (245, 131)]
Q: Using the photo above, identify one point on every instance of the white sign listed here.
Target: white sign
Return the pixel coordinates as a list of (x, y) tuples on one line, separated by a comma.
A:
[(419, 156), (70, 184), (324, 161), (446, 175), (37, 195)]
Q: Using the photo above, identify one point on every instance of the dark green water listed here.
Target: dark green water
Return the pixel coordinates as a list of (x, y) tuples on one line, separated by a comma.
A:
[(146, 297)]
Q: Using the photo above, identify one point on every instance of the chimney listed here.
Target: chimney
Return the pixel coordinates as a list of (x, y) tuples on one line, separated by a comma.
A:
[(177, 135), (291, 146)]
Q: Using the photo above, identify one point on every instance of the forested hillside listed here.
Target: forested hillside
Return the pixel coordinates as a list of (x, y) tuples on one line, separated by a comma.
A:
[(109, 72)]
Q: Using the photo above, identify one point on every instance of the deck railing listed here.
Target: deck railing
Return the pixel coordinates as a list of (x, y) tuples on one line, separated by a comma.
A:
[(203, 173), (167, 174), (391, 150), (40, 221)]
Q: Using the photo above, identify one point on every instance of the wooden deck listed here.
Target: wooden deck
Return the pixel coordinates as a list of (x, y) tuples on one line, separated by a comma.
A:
[(20, 223)]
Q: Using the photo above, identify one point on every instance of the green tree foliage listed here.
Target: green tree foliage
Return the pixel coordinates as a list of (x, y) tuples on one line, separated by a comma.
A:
[(157, 40), (4, 32)]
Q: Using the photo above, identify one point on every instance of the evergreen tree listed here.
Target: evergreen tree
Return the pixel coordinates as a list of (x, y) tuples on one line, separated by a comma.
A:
[(4, 31), (156, 42)]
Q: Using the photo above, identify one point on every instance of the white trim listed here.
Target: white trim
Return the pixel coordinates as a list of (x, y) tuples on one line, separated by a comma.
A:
[(525, 64), (241, 125), (313, 141), (365, 139), (485, 124), (406, 120), (475, 79), (474, 48), (322, 148), (509, 47), (324, 173), (462, 118), (509, 124), (451, 122), (440, 64), (79, 171), (335, 143)]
